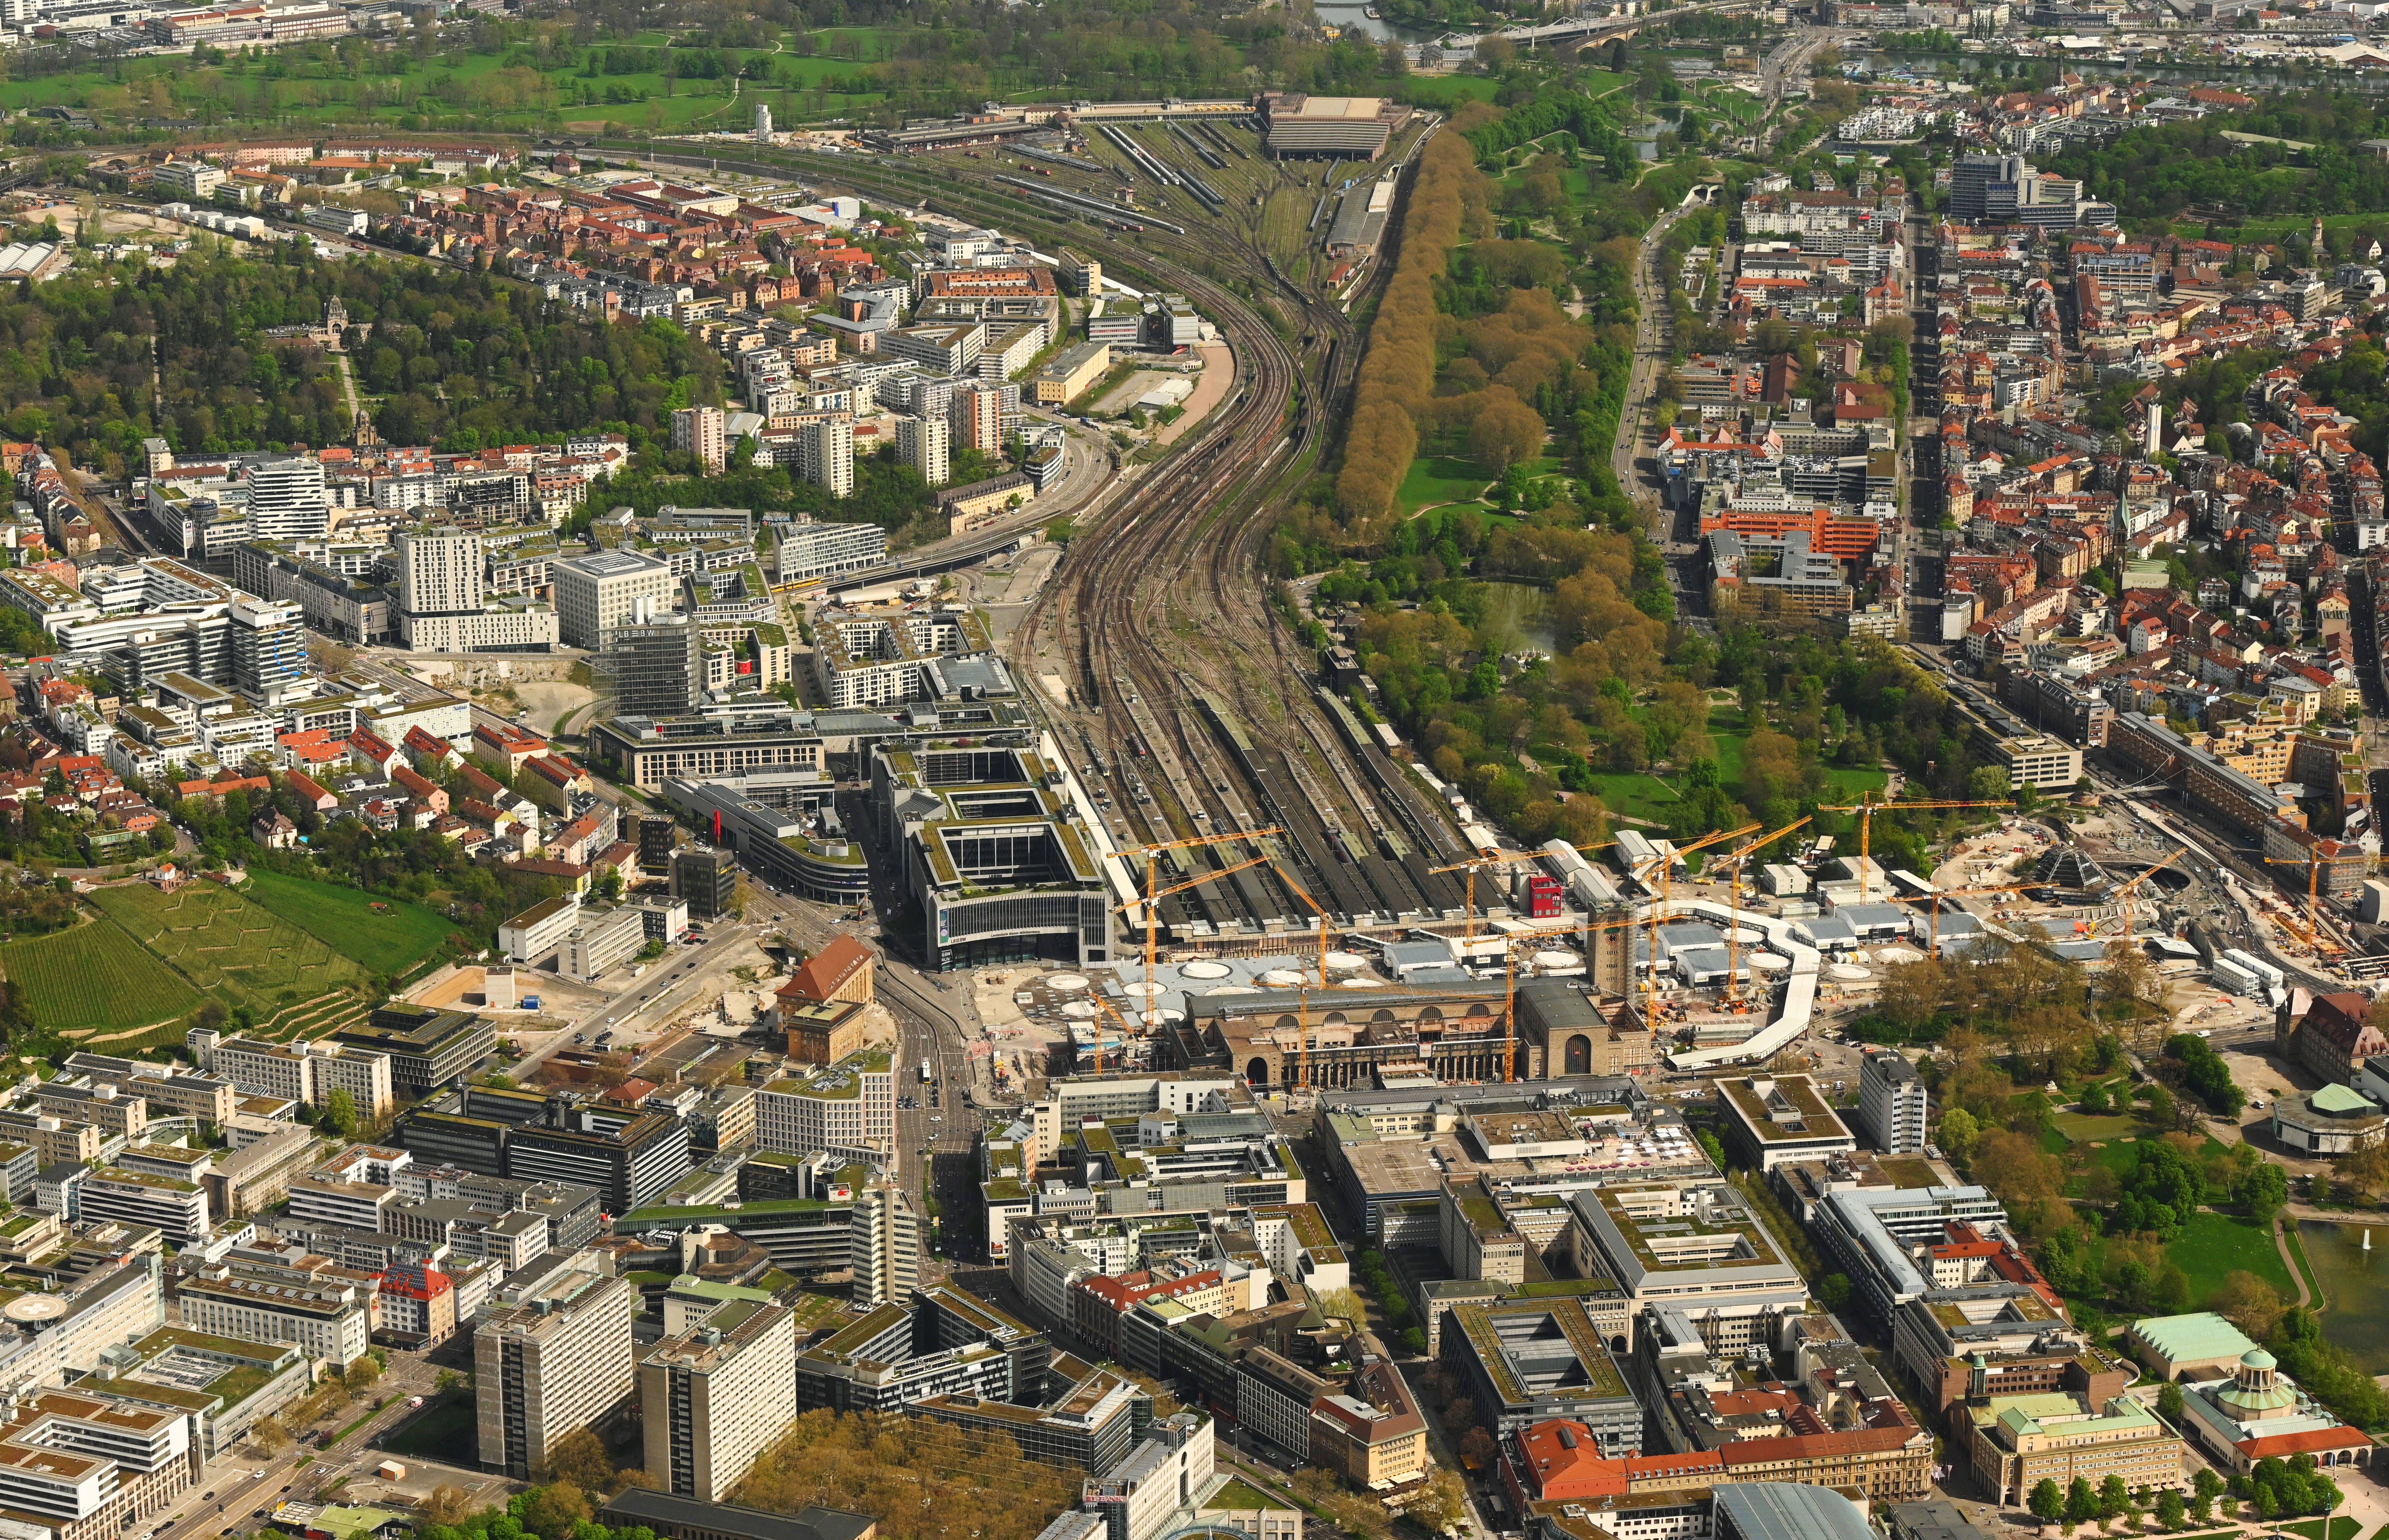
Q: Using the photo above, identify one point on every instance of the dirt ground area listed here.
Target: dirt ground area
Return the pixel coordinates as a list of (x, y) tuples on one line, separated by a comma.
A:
[(2266, 1078), (414, 1488), (1123, 396), (1219, 379), (1007, 592), (1008, 1034), (552, 704), (2003, 855)]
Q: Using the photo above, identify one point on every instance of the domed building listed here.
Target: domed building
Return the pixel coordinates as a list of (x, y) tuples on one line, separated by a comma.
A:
[(2259, 1412)]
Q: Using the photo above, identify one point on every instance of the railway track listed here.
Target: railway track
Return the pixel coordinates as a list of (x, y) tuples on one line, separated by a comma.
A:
[(1171, 585)]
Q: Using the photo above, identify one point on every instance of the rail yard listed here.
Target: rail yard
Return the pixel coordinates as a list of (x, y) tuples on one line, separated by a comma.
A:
[(1180, 686)]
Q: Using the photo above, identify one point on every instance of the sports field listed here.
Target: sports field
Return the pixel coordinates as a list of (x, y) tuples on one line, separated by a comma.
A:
[(228, 946), (384, 934), (94, 977)]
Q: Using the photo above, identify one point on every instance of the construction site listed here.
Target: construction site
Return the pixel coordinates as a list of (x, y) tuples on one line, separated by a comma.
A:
[(1632, 956)]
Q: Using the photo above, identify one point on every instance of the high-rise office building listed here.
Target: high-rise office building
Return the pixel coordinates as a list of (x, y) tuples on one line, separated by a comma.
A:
[(886, 1245), (922, 442), (708, 879), (655, 664), (551, 1355), (703, 432), (597, 593), (1985, 189), (657, 833), (715, 1396), (287, 499), (268, 648), (826, 454)]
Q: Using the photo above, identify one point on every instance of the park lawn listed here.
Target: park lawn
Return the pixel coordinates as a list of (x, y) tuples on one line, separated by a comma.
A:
[(2272, 227), (385, 935), (1653, 796), (2083, 1127), (1741, 106), (325, 94), (95, 976), (229, 946), (2212, 1245), (1447, 90), (865, 43), (2342, 1527), (2122, 1150), (1435, 479)]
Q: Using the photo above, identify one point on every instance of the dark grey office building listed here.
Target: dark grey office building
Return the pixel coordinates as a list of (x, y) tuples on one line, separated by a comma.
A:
[(656, 667), (708, 879)]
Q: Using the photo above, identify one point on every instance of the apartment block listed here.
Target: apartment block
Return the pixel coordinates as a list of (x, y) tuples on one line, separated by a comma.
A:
[(714, 1397), (553, 1354), (1895, 1110)]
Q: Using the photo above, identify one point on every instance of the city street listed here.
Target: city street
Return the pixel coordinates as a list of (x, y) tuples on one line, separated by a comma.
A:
[(230, 1496)]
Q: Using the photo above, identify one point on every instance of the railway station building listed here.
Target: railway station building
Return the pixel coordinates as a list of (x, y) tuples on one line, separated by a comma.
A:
[(1453, 1030)]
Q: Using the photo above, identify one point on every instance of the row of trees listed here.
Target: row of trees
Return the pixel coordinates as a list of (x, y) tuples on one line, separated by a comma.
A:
[(1397, 376)]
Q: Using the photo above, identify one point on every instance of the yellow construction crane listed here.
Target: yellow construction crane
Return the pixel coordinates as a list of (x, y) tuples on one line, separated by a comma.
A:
[(1935, 896), (1152, 902), (1195, 882), (1128, 1033), (1738, 860), (2314, 865), (1666, 865), (1152, 910), (2124, 894), (1866, 809), (1326, 927), (1510, 1003), (1303, 999), (1501, 858)]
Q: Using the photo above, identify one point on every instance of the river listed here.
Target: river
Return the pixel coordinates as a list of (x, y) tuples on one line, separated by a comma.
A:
[(1354, 17)]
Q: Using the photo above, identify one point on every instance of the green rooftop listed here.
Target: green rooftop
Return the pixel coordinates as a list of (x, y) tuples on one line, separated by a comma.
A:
[(1562, 1288), (851, 1339), (2339, 1100), (1243, 1496), (847, 853), (2200, 1335), (724, 1214)]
